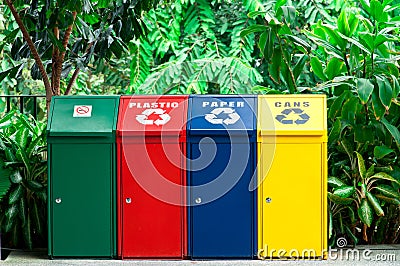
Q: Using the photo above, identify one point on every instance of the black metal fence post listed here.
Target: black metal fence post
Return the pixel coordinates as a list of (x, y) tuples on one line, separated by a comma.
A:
[(22, 100)]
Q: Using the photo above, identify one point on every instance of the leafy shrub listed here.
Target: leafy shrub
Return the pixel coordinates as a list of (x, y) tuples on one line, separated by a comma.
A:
[(23, 181)]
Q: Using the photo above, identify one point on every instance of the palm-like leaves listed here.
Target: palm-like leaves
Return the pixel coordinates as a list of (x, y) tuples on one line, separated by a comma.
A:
[(23, 179)]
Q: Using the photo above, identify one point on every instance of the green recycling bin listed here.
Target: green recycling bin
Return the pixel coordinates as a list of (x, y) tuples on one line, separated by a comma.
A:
[(82, 176)]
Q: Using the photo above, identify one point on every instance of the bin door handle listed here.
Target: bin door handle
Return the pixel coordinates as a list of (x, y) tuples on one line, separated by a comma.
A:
[(128, 200), (58, 200), (268, 200), (198, 200)]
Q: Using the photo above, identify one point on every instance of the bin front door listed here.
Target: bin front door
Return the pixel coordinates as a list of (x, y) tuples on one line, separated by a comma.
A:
[(291, 200), (81, 200), (152, 227), (222, 210)]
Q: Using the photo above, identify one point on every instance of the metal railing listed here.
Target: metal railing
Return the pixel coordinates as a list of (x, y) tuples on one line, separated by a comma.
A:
[(20, 101)]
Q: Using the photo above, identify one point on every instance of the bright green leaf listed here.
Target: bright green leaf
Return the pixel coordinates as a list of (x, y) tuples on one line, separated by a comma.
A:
[(12, 72), (376, 11), (379, 108), (389, 200), (361, 166), (382, 151), (335, 38), (21, 154), (334, 68), (371, 171), (367, 41), (385, 176), (353, 23), (21, 138), (350, 233), (289, 13), (299, 41), (11, 212), (380, 39), (343, 24), (344, 191), (385, 92), (365, 89), (350, 110), (275, 66), (339, 200), (365, 5), (388, 191), (375, 204), (336, 106), (317, 68), (335, 182), (394, 131), (298, 68), (16, 194), (253, 29), (365, 212)]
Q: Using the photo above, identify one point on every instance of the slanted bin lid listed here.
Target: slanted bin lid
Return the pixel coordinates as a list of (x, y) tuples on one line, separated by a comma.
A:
[(83, 116), (222, 114), (152, 115), (300, 114)]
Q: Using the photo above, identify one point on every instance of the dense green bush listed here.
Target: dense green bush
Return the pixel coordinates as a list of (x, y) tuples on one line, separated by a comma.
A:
[(23, 181)]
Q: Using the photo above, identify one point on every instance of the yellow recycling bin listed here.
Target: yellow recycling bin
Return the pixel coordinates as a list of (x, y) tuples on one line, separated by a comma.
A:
[(292, 177)]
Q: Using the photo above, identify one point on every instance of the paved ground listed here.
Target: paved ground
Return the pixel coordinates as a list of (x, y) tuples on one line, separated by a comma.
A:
[(361, 255)]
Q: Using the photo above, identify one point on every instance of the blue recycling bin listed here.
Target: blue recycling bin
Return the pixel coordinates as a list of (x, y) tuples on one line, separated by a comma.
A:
[(221, 176)]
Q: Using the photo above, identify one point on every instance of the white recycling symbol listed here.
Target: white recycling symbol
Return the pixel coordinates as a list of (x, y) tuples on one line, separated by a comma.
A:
[(232, 118), (143, 117)]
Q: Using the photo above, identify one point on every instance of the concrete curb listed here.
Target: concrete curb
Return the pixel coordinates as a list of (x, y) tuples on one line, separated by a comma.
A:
[(361, 255)]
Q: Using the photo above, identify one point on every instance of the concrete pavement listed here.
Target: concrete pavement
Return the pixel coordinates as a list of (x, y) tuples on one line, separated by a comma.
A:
[(359, 256)]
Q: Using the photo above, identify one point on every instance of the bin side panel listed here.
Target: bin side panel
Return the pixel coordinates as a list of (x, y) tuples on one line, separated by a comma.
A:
[(82, 178), (151, 226), (292, 220), (222, 228)]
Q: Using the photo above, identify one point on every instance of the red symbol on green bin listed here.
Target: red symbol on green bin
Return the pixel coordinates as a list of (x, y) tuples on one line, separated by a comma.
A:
[(82, 109)]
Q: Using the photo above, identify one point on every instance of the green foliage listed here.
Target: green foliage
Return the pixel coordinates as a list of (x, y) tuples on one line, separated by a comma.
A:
[(195, 47), (285, 52), (23, 181), (354, 59), (101, 31), (312, 11)]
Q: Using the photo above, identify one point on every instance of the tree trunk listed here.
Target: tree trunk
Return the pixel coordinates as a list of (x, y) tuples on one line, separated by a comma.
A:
[(34, 52), (72, 81), (52, 88), (61, 56)]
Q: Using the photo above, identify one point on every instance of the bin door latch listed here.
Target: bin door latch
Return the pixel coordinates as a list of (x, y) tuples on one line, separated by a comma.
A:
[(58, 200), (268, 200), (128, 200), (198, 200)]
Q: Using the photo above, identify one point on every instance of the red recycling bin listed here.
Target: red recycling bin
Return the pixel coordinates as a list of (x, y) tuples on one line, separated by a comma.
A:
[(151, 148)]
